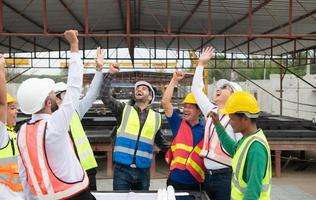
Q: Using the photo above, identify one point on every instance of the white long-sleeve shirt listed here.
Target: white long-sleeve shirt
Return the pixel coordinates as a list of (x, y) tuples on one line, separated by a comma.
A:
[(206, 106), (86, 102), (4, 138), (59, 150)]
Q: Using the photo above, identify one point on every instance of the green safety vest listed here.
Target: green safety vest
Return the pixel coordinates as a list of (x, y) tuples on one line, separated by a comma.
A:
[(238, 185), (81, 144), (11, 150), (9, 172)]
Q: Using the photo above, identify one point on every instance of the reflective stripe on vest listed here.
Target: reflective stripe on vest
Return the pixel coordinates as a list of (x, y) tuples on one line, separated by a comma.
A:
[(82, 144), (41, 179), (9, 170), (182, 155), (195, 163), (212, 148), (128, 133), (238, 184)]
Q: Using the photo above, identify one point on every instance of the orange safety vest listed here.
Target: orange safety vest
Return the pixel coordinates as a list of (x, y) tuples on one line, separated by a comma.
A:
[(212, 148), (184, 156), (9, 170), (44, 184)]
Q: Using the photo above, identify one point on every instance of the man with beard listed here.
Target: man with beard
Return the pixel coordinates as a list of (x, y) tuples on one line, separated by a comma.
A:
[(138, 130), (76, 132), (186, 166), (48, 165)]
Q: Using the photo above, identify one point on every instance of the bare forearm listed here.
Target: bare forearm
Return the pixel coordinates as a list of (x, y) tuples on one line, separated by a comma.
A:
[(197, 89), (106, 96), (3, 94), (74, 46), (167, 96)]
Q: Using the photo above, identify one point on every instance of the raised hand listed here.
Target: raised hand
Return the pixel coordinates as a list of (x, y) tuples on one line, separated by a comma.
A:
[(2, 63), (3, 91), (214, 116), (206, 55), (114, 68), (71, 36), (100, 59), (178, 75)]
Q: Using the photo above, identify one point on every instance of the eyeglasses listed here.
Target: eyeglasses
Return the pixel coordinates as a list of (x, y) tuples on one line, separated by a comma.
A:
[(225, 87)]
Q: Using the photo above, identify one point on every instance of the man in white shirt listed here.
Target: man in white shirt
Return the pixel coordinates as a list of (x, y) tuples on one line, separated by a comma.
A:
[(58, 173), (216, 160), (3, 104), (76, 132)]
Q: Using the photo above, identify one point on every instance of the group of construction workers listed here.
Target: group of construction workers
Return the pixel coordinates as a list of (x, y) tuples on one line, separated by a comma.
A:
[(225, 154)]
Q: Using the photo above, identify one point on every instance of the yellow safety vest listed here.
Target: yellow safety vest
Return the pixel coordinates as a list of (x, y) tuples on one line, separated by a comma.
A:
[(9, 170), (81, 144), (132, 140), (238, 185)]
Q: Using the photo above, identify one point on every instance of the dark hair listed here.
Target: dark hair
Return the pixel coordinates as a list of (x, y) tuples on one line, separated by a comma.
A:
[(242, 115), (150, 91)]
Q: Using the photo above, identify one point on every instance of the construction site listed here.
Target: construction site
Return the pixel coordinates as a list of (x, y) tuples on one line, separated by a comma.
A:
[(268, 47)]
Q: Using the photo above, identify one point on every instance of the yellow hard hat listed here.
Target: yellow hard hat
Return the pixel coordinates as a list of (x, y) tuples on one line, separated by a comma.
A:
[(10, 98), (242, 102), (189, 99)]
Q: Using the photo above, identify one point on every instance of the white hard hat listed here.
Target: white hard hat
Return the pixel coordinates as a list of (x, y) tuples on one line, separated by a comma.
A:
[(32, 94), (60, 87), (148, 85), (235, 87)]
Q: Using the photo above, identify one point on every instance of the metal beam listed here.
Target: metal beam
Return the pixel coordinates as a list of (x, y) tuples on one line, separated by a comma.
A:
[(276, 45), (238, 21), (278, 27), (130, 40), (185, 21), (44, 15), (23, 15), (26, 17), (135, 35), (77, 19), (250, 17), (209, 17), (1, 16), (290, 71), (290, 17), (121, 13), (86, 19), (10, 46), (25, 39), (169, 16), (139, 6)]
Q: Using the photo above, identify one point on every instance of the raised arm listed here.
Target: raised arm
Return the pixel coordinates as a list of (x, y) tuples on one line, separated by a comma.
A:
[(3, 91), (61, 118), (105, 92), (95, 86), (166, 98), (3, 104), (197, 84)]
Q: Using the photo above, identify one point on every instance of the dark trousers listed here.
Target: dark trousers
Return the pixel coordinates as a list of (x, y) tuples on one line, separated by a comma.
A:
[(84, 195), (128, 178), (217, 185), (92, 180), (183, 187)]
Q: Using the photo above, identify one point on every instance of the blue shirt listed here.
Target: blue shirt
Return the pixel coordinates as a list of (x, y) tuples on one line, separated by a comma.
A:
[(184, 176)]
